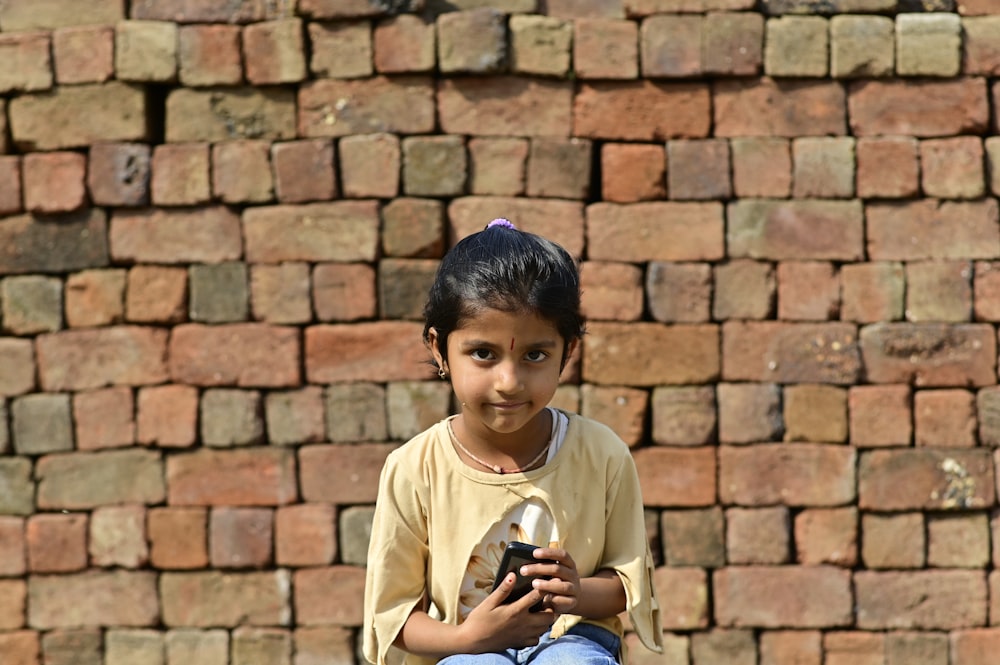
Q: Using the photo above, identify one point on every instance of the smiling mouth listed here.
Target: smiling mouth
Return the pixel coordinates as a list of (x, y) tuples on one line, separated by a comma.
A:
[(507, 406)]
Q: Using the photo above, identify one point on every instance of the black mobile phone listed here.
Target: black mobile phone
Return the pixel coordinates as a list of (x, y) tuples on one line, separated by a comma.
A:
[(516, 555)]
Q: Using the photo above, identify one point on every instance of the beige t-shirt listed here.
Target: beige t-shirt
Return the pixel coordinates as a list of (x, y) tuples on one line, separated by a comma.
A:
[(433, 512)]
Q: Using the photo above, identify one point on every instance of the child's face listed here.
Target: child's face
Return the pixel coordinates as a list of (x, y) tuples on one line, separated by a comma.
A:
[(504, 369)]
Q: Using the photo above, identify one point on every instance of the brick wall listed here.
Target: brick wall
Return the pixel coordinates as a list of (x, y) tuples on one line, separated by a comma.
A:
[(218, 221)]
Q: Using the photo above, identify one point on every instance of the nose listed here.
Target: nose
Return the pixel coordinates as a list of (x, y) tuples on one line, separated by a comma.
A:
[(507, 378)]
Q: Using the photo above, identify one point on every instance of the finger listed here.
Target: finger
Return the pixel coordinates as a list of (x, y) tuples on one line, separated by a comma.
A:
[(500, 594)]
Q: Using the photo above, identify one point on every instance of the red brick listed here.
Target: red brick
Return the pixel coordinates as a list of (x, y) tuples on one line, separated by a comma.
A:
[(274, 52), (560, 221), (827, 536), (10, 181), (887, 167), (324, 644), (880, 415), (104, 418), (614, 353), (974, 7), (197, 235), (181, 174), (655, 231), (952, 168), (84, 54), (945, 418), (118, 598), (808, 291), (683, 416), (893, 540), (57, 543), (240, 537), (872, 292), (621, 409), (791, 647), (340, 49), (641, 111), (241, 172), (671, 45), (762, 167), (958, 540), (193, 11), (986, 291), (280, 294), (118, 536), (917, 648), (241, 354), (776, 230), (209, 55), (118, 174), (497, 166), (790, 352), (251, 476), (980, 54), (304, 171), (685, 593), (677, 477), (356, 469), (79, 115), (305, 535), (851, 647), (611, 291), (790, 474), (376, 351), (54, 181), (29, 65), (315, 232), (605, 48), (757, 535), (823, 167), (344, 291), (928, 229), (95, 298), (413, 228), (783, 596), (178, 538), (120, 355), (21, 647), (743, 289), (404, 43), (918, 108), (13, 551), (211, 115), (84, 480), (370, 165), (988, 411), (925, 599), (977, 646), (585, 8), (156, 294), (214, 599), (506, 106), (316, 606), (815, 413), (13, 594), (749, 412), (632, 172), (400, 105), (698, 169), (647, 7), (929, 354), (557, 168), (18, 359), (732, 43), (778, 107), (925, 479)]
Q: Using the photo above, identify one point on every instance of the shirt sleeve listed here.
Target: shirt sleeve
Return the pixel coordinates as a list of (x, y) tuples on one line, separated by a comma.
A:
[(397, 559)]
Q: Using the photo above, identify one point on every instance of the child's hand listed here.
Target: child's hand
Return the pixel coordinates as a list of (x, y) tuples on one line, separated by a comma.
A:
[(495, 626), (562, 592)]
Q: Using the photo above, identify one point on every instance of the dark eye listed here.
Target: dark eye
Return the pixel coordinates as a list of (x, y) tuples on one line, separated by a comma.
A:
[(482, 354), (536, 356)]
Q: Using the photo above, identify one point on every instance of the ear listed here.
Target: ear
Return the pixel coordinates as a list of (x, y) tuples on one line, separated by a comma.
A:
[(570, 350), (433, 343)]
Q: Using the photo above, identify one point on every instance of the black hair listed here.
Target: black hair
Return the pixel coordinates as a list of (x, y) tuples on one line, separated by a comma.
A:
[(509, 270)]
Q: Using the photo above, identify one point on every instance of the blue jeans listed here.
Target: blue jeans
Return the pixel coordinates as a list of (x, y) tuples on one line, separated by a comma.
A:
[(583, 644)]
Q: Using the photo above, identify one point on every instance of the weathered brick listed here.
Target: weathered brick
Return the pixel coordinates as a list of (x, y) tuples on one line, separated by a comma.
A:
[(622, 409), (433, 166), (91, 358), (980, 54), (316, 645), (641, 111), (261, 646), (27, 15), (472, 41), (156, 294), (796, 46), (32, 304), (787, 647), (605, 48), (677, 477), (744, 289), (414, 406), (646, 7), (273, 52), (13, 594), (193, 11), (402, 104), (404, 43), (83, 54), (315, 605), (614, 354), (78, 115), (872, 292), (925, 599), (11, 194), (655, 231), (29, 66), (339, 231), (146, 51), (632, 172), (611, 291), (976, 646), (782, 596), (231, 418), (371, 166), (57, 543), (777, 230), (887, 167), (861, 46), (209, 55), (771, 107), (117, 537), (929, 354), (919, 648), (815, 413), (221, 114), (12, 546), (894, 540), (138, 646), (104, 418), (95, 298), (78, 241), (294, 417), (827, 536), (749, 412), (925, 478), (880, 415), (790, 352), (497, 166), (252, 476), (560, 221), (41, 423), (280, 294), (761, 167), (540, 45), (75, 481), (853, 646), (93, 598), (305, 535), (413, 228), (319, 463), (758, 535), (304, 171), (376, 351), (213, 598), (791, 474), (808, 291), (72, 646), (686, 593), (118, 174), (241, 171), (240, 537), (928, 44), (952, 168), (823, 167), (958, 540), (920, 108), (737, 647), (939, 291), (178, 537), (694, 537), (218, 293), (671, 45), (196, 235), (22, 647), (17, 491), (559, 168), (240, 354), (356, 412), (698, 169), (197, 646), (355, 530), (181, 174), (344, 291), (505, 106), (683, 416), (732, 43)]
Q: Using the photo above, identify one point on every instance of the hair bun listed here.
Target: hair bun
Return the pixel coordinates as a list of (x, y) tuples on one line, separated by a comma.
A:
[(500, 221)]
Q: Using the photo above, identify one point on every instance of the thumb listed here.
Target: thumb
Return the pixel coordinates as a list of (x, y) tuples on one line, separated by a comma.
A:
[(500, 594)]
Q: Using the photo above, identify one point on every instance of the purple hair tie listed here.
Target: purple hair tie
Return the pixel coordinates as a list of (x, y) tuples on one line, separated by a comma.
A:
[(500, 221)]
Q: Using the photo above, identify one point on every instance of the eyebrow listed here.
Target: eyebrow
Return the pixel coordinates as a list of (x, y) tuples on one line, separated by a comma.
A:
[(477, 343)]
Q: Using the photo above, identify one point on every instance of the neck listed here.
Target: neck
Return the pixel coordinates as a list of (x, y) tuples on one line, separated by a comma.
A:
[(500, 459)]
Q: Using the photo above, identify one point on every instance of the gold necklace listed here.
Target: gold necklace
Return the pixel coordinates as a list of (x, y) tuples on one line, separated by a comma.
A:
[(496, 468)]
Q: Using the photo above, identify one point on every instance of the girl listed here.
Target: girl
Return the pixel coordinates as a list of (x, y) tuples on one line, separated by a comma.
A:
[(501, 321)]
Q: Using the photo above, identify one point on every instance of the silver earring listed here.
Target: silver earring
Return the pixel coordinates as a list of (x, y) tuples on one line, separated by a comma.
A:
[(442, 374)]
